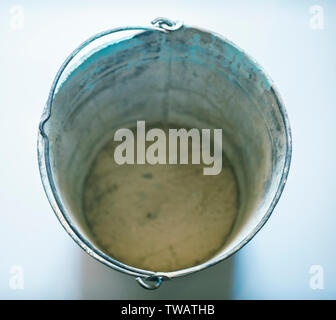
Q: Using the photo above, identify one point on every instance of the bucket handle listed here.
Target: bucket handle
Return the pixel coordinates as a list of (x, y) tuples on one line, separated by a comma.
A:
[(159, 24)]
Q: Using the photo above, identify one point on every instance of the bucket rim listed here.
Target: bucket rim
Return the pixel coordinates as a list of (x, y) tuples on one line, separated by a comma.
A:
[(61, 212)]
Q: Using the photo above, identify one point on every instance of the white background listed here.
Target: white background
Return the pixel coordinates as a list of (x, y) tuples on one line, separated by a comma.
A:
[(301, 232)]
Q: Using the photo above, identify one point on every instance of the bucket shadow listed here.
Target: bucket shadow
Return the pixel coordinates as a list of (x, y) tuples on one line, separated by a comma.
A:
[(100, 282)]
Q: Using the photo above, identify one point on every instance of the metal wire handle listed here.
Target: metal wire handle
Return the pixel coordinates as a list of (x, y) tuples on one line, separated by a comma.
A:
[(159, 24)]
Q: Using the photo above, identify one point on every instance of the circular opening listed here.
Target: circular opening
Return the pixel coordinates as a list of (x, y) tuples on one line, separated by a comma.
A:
[(184, 79)]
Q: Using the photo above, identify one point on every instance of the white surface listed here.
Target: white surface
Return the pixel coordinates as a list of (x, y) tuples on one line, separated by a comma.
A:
[(276, 263)]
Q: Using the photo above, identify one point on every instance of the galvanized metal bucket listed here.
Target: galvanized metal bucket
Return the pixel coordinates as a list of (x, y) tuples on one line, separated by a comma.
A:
[(164, 72)]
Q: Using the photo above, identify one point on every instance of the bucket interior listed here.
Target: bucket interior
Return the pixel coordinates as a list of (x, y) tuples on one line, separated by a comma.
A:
[(188, 77)]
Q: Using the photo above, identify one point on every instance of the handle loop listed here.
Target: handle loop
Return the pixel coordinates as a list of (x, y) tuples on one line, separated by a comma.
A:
[(156, 282), (167, 24)]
